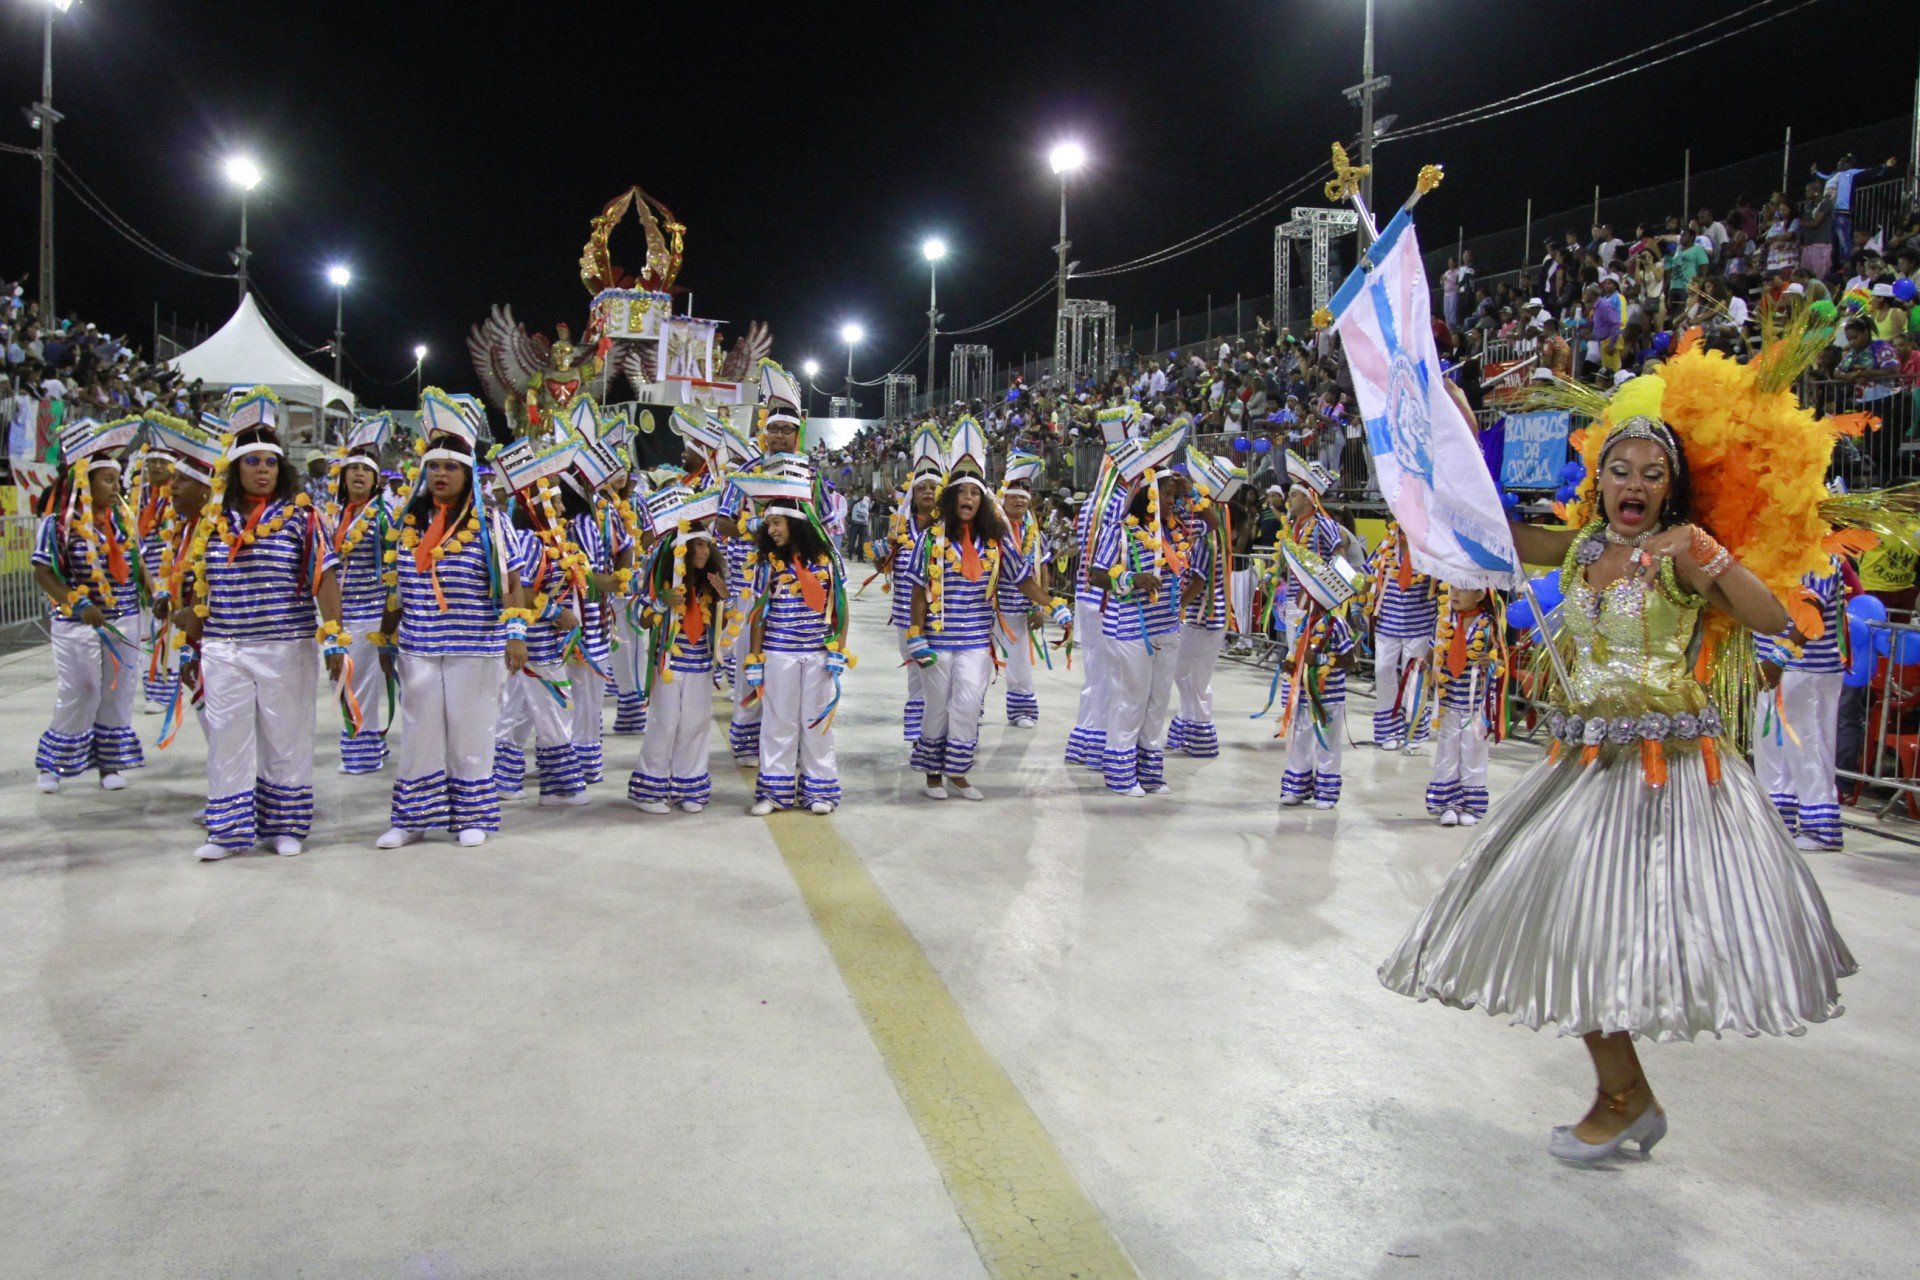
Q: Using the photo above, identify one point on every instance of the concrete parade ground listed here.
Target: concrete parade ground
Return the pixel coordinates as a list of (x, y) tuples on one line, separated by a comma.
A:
[(1055, 1033)]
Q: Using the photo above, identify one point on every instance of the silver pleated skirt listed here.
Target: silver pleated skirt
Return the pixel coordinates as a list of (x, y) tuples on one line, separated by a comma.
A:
[(1594, 902)]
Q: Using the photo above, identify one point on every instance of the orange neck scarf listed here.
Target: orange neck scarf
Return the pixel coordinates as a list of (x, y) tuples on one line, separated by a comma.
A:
[(970, 566), (810, 589), (1405, 577), (693, 619), (256, 507), (436, 533), (1457, 650), (116, 552), (346, 521)]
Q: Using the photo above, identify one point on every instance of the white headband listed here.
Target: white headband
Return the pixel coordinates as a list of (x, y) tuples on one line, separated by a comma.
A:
[(240, 451), (446, 455), (359, 460), (192, 471), (781, 415), (103, 464), (975, 481)]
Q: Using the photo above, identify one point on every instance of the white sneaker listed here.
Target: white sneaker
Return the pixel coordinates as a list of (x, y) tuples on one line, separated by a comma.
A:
[(821, 807), (652, 806), (1413, 748), (211, 853), (1451, 818), (1025, 722), (747, 762), (970, 792), (1323, 804), (1159, 789), (692, 806), (1392, 744), (200, 815), (760, 808), (1137, 791), (560, 802), (513, 794), (113, 782), (398, 836), (934, 793), (48, 782), (1807, 844), (1289, 802), (1469, 820), (472, 838), (152, 708), (286, 846)]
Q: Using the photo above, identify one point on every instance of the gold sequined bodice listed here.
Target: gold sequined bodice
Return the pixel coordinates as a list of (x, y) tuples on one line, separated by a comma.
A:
[(1628, 644)]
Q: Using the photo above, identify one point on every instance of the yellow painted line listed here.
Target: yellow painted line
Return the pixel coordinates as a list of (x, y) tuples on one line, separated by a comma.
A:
[(1026, 1213)]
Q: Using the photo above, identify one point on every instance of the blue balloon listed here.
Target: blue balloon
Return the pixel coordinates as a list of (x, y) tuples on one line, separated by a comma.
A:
[(1262, 445), (1509, 500), (1861, 646), (1239, 444), (1546, 589), (1573, 473), (1520, 615), (1662, 341), (1872, 608), (1904, 289)]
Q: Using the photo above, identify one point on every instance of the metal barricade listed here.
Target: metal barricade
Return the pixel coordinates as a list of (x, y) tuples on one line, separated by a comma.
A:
[(23, 606), (1877, 742)]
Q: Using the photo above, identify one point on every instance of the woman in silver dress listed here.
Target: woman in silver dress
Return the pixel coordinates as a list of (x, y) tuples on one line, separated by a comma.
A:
[(1637, 883)]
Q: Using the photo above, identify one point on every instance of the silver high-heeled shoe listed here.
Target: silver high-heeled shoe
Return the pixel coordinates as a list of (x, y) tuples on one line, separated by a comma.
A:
[(1647, 1128)]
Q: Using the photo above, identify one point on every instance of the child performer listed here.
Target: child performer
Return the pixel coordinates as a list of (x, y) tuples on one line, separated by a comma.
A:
[(359, 524), (197, 451), (1468, 665), (683, 589), (915, 513), (1012, 630), (1314, 687), (1204, 610), (798, 630), (86, 560), (1797, 718), (152, 510), (1404, 609)]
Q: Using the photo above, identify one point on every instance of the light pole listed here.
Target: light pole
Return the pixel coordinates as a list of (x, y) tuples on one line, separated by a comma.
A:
[(1362, 93), (1066, 158), (419, 360), (243, 173), (934, 249), (340, 278), (811, 368), (851, 334), (44, 117)]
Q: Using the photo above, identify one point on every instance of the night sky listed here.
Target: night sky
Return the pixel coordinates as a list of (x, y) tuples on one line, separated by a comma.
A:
[(453, 158)]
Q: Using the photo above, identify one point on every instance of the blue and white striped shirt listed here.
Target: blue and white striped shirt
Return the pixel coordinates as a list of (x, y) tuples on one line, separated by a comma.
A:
[(1822, 655), (1134, 617), (469, 626), (1209, 609), (72, 559), (363, 596), (1409, 613), (900, 614), (266, 592), (966, 613), (790, 624), (527, 553)]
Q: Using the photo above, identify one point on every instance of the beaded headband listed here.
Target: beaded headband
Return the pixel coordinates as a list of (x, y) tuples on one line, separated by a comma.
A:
[(1641, 427)]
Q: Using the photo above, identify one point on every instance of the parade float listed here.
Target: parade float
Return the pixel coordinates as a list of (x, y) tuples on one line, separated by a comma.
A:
[(635, 352)]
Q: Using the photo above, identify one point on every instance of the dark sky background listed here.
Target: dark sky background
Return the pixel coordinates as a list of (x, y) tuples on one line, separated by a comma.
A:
[(453, 154)]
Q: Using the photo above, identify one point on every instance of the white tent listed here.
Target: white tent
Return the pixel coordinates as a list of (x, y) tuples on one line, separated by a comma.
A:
[(245, 352)]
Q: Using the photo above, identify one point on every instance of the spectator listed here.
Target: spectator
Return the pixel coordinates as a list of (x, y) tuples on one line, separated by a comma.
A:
[(1839, 188)]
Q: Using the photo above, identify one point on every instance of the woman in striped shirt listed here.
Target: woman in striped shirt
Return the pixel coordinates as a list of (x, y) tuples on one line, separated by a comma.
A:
[(1140, 562), (685, 590), (798, 629), (453, 631), (263, 563), (958, 565), (915, 514), (358, 522), (86, 561)]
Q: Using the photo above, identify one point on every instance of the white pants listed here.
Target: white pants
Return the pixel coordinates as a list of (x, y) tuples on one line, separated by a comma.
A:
[(916, 692), (92, 704), (556, 754), (1313, 765), (1240, 589), (1394, 658), (956, 688), (629, 671), (1459, 762), (673, 756), (1192, 729), (797, 692), (743, 731), (1022, 701), (260, 703), (589, 690), (449, 709), (1086, 745), (1799, 779), (1139, 686), (366, 751)]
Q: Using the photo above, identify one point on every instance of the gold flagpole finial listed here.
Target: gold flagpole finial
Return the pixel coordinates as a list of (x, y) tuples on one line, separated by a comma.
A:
[(1430, 176), (1345, 183)]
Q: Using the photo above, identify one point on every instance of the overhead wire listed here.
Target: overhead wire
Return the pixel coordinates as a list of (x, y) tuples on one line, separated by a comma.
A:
[(1531, 97), (91, 200), (1220, 229)]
